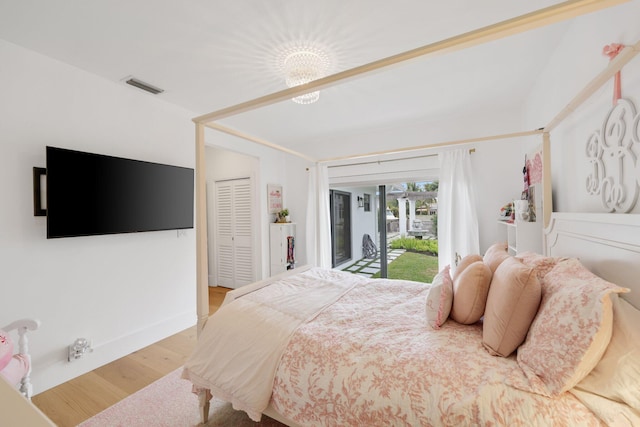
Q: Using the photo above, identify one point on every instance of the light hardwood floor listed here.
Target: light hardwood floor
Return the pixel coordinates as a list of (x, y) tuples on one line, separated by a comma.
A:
[(70, 403)]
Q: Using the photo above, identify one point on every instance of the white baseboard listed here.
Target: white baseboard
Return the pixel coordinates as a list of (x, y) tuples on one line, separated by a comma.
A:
[(51, 371)]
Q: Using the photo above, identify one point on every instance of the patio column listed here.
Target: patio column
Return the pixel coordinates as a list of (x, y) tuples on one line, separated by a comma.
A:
[(402, 216), (412, 213)]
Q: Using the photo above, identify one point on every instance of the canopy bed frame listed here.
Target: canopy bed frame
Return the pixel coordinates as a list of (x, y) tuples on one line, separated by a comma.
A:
[(583, 236), (562, 11)]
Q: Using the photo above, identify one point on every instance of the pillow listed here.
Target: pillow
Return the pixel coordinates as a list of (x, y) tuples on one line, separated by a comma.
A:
[(439, 299), (541, 263), (6, 349), (512, 303), (16, 369), (571, 331), (611, 413), (470, 290), (617, 375), (495, 255), (464, 263)]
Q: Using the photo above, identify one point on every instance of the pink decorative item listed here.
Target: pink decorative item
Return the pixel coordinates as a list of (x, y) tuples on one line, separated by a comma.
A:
[(612, 50)]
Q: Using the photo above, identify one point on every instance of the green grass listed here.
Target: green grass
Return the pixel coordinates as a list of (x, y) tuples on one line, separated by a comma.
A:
[(416, 245), (413, 266)]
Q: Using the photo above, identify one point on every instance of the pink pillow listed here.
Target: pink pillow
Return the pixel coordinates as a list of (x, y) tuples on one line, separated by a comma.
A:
[(466, 262), (540, 263), (439, 299), (496, 253), (514, 297), (571, 331), (470, 290), (16, 369), (6, 349)]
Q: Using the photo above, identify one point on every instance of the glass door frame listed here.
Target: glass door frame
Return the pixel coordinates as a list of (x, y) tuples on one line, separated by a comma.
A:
[(346, 237)]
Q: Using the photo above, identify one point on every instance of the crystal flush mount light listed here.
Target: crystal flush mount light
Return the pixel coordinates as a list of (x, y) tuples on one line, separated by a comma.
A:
[(304, 64)]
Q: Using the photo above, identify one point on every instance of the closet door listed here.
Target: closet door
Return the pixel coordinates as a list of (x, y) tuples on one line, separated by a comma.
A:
[(234, 233)]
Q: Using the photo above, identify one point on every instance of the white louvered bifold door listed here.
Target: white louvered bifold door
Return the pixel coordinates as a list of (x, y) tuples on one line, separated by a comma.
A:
[(234, 233)]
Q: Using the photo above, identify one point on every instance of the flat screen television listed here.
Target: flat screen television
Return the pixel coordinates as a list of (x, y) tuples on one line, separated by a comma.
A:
[(90, 194)]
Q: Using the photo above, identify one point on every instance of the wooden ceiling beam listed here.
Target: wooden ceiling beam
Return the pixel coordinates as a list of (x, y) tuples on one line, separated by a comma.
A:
[(625, 55), (248, 137), (436, 145)]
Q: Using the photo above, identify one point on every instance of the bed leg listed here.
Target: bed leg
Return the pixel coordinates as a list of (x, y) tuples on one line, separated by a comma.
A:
[(204, 398)]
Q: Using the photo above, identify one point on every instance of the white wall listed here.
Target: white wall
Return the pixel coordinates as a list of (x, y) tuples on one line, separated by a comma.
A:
[(361, 222), (122, 291), (498, 179), (577, 60), (269, 166), (488, 121)]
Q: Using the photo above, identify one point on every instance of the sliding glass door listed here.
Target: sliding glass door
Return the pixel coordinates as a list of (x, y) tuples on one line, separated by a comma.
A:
[(340, 204)]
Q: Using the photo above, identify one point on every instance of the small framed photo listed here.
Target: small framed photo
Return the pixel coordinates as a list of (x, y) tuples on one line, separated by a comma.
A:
[(274, 198)]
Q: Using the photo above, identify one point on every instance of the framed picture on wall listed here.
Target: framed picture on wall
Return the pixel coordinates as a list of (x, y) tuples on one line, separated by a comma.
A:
[(274, 198)]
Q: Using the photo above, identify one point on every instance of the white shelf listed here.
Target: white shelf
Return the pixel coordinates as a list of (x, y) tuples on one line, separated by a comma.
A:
[(278, 236), (523, 236)]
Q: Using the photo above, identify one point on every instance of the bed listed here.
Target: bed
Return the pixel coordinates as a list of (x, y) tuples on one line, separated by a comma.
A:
[(322, 347)]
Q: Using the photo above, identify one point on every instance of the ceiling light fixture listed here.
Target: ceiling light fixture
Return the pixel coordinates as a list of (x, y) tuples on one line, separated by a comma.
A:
[(302, 65)]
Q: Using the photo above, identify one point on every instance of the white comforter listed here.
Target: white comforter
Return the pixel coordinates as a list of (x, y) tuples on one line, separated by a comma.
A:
[(240, 347)]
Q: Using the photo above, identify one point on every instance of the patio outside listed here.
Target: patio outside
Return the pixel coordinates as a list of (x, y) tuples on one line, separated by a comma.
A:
[(413, 264)]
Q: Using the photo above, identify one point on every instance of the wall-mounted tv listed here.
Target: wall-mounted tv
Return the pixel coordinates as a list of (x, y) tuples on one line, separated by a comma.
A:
[(90, 194)]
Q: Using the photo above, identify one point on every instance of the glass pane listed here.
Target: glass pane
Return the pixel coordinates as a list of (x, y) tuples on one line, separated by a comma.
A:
[(341, 226), (384, 244)]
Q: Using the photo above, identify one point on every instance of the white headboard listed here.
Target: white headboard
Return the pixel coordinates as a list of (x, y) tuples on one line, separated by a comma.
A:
[(608, 244)]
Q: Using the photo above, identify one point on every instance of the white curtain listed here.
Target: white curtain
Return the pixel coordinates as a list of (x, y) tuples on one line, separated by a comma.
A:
[(318, 218), (457, 215)]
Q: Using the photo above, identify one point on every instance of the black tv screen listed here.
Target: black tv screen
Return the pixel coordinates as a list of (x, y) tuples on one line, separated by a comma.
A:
[(90, 194)]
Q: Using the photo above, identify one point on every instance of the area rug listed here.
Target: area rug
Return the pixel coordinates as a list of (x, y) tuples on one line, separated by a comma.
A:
[(169, 402)]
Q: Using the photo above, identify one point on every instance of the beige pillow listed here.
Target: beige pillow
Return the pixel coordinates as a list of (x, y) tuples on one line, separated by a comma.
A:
[(464, 263), (617, 375), (494, 256), (512, 303), (470, 290)]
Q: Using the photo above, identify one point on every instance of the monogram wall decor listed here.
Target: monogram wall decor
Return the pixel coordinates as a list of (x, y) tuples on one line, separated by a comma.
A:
[(612, 152)]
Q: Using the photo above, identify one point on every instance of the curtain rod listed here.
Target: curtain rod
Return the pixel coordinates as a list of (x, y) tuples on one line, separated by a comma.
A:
[(431, 146), (471, 150)]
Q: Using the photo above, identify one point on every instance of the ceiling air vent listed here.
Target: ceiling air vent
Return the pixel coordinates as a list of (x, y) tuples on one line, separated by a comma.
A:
[(144, 86)]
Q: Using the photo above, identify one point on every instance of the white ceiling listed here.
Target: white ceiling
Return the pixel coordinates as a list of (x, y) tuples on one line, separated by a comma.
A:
[(212, 54)]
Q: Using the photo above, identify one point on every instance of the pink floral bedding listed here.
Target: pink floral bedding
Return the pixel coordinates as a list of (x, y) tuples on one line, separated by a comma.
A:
[(370, 359)]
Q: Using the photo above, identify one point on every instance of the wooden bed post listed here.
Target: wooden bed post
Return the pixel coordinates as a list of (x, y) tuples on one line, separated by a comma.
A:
[(547, 202), (202, 269), (202, 255)]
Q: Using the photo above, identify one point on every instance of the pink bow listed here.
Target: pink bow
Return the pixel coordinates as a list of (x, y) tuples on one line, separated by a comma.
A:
[(612, 50)]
